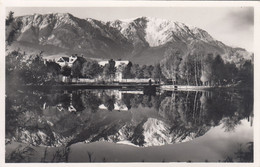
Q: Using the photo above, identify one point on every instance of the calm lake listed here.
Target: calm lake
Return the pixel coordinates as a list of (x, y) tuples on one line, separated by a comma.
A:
[(120, 125)]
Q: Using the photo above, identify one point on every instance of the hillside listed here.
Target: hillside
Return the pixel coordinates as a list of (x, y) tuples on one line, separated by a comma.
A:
[(142, 40)]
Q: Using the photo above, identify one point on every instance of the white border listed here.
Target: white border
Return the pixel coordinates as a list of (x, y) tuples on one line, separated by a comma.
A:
[(85, 3)]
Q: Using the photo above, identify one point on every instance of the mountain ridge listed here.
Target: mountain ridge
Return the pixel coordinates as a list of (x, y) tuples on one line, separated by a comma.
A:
[(143, 39)]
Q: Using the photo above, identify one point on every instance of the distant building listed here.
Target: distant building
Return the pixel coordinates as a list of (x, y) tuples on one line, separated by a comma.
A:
[(119, 64), (63, 61)]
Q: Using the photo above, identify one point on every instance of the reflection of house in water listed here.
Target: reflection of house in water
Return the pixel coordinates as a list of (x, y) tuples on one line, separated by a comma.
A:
[(116, 93), (118, 104), (117, 107), (70, 107), (59, 107), (140, 92)]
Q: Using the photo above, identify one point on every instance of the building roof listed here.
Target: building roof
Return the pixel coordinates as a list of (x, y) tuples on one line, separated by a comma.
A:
[(117, 62), (65, 59)]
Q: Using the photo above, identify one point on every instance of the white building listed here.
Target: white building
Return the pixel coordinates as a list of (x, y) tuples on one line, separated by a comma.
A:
[(63, 61), (119, 64)]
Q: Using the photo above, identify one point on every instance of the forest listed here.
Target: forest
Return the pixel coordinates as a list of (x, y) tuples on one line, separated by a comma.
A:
[(195, 70), (205, 69)]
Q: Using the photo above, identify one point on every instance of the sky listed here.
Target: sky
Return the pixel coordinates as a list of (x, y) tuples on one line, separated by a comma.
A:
[(233, 26)]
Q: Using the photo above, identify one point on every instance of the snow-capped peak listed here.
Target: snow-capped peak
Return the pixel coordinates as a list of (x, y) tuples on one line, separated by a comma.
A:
[(159, 31), (201, 34)]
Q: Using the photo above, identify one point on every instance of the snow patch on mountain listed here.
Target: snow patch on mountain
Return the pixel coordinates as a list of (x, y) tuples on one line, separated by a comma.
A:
[(157, 32), (202, 35)]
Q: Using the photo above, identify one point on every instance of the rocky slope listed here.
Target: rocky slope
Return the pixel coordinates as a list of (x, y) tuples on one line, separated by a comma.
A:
[(143, 40)]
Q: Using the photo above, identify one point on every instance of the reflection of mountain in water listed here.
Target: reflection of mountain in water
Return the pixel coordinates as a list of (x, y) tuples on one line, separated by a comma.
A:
[(116, 116)]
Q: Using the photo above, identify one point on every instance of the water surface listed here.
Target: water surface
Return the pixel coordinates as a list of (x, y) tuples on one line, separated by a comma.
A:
[(118, 125)]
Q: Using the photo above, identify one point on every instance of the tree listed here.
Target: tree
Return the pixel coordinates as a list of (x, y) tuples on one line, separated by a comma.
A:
[(90, 101), (207, 70), (150, 70), (11, 28), (66, 71), (218, 70), (184, 71), (170, 63), (76, 69), (91, 69), (38, 69), (246, 75), (147, 71), (109, 101), (231, 73), (137, 71), (10, 18), (127, 71), (33, 70), (110, 69), (157, 72), (53, 70)]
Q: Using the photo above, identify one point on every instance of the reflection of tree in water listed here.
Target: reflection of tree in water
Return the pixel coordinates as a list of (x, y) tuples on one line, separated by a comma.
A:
[(77, 101), (126, 99), (19, 107), (230, 108), (244, 153), (24, 154), (247, 154), (59, 98), (136, 100), (196, 112), (90, 101), (20, 154), (146, 102), (109, 101)]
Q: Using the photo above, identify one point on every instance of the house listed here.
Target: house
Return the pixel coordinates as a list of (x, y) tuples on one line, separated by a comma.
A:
[(119, 64), (63, 61)]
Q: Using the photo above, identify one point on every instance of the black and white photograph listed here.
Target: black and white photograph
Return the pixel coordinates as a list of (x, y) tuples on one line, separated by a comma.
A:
[(129, 84)]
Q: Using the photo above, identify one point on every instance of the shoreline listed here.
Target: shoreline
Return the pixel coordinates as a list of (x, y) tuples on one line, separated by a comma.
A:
[(153, 87)]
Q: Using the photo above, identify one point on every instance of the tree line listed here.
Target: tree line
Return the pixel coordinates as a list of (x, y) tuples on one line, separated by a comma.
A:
[(33, 69), (205, 69), (194, 69)]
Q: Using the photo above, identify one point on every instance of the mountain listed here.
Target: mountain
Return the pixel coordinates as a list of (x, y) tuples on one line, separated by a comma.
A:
[(143, 40)]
